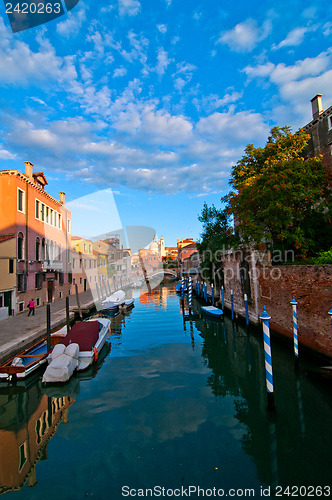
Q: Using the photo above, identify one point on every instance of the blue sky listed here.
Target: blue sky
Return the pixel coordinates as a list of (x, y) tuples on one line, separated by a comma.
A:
[(157, 99)]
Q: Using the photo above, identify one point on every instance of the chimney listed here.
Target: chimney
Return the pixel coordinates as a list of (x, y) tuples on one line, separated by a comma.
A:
[(28, 170), (316, 104), (62, 198)]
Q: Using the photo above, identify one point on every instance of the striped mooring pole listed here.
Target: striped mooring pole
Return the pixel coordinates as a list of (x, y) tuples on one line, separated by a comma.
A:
[(205, 292), (296, 342), (212, 290), (232, 304), (222, 298), (182, 287), (330, 313), (246, 308), (190, 291), (268, 359)]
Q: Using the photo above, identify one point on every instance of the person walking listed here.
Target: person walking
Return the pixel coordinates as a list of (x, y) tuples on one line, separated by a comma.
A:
[(31, 307)]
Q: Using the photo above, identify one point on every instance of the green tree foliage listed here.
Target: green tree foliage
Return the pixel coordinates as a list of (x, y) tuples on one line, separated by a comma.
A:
[(218, 235), (279, 198)]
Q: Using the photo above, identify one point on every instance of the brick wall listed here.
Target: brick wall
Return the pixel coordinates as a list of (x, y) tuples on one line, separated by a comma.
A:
[(274, 287)]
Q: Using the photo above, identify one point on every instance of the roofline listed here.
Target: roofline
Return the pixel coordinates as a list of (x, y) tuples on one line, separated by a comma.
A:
[(28, 181)]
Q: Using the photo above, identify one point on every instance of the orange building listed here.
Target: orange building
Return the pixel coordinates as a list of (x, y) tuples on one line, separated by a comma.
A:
[(41, 226)]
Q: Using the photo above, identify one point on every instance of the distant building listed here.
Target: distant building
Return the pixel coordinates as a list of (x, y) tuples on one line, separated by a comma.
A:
[(186, 248), (320, 130), (35, 241), (84, 265)]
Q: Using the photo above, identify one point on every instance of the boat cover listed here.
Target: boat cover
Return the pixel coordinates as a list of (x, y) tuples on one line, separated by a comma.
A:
[(85, 334), (62, 366)]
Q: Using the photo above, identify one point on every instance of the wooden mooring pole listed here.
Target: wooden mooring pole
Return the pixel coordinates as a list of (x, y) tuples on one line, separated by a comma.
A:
[(78, 301), (67, 314), (48, 326)]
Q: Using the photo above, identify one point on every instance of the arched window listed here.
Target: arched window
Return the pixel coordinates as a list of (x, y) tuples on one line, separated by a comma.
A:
[(37, 249), (20, 246), (43, 249)]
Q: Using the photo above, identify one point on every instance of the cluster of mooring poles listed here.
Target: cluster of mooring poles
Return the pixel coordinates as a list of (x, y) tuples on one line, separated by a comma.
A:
[(201, 291)]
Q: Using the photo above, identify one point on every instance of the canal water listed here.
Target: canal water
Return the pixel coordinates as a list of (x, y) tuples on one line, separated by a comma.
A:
[(177, 404)]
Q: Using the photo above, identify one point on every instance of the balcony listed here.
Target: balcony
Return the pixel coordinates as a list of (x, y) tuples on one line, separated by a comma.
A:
[(52, 265)]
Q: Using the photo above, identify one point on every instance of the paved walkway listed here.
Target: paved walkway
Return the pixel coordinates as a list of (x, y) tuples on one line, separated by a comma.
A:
[(20, 331)]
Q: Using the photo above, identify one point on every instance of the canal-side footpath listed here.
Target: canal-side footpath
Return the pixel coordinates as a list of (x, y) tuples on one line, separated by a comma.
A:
[(18, 332)]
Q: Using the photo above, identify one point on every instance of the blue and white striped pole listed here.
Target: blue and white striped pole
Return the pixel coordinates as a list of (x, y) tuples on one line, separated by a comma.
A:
[(232, 305), (246, 308), (182, 287), (330, 313), (212, 289), (222, 298), (268, 359), (190, 291), (296, 342)]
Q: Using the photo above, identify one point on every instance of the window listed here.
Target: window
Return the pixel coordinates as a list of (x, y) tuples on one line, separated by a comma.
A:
[(68, 225), (43, 212), (20, 246), (37, 209), (39, 279), (70, 278), (11, 266), (43, 249), (47, 214), (329, 120), (21, 307), (60, 295), (23, 455), (37, 301), (74, 281), (51, 218), (59, 221), (74, 262), (37, 248), (81, 281), (20, 200), (61, 278), (90, 248)]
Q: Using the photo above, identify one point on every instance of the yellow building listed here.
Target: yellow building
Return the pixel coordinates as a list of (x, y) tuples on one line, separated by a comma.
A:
[(84, 264)]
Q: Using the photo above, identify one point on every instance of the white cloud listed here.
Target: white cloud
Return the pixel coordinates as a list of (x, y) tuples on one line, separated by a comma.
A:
[(294, 38), (119, 72), (6, 155), (246, 35), (163, 61), (129, 7), (71, 26), (162, 28)]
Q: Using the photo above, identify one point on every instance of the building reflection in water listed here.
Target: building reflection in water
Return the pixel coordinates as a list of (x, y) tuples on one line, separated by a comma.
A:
[(28, 420)]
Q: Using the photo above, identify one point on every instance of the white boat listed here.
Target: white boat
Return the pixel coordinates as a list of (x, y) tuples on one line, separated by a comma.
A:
[(79, 348), (128, 303), (113, 301)]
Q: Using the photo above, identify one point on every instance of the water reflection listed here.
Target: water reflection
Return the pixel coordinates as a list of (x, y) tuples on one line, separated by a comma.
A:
[(28, 420)]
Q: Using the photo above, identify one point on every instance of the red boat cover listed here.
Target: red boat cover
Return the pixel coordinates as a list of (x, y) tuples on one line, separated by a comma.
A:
[(84, 334)]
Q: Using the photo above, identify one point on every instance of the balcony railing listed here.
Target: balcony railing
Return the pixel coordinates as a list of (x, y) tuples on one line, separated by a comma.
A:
[(52, 265)]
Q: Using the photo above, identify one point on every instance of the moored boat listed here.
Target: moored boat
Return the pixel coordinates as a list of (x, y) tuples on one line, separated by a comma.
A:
[(128, 303), (113, 301), (212, 311), (25, 362), (78, 349)]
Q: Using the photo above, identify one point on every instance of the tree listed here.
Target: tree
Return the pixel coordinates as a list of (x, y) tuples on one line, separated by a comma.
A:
[(217, 236), (281, 199)]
